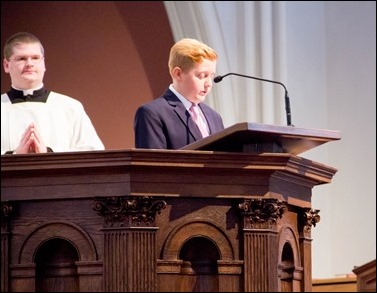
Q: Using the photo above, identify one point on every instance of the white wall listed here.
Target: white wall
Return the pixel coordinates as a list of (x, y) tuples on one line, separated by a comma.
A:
[(351, 100), (325, 53), (334, 73)]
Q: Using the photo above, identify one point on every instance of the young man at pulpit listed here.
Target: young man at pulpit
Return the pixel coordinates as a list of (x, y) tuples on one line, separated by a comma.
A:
[(180, 116)]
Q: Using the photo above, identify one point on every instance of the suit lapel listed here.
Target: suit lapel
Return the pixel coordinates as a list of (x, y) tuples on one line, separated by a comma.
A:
[(184, 116)]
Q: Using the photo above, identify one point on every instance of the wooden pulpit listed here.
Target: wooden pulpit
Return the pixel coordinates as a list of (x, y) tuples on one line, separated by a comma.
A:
[(229, 213), (366, 277)]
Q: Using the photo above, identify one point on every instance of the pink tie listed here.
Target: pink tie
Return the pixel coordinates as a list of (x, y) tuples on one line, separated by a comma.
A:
[(198, 120)]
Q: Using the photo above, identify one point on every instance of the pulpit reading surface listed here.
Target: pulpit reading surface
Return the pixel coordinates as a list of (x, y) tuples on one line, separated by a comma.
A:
[(257, 137)]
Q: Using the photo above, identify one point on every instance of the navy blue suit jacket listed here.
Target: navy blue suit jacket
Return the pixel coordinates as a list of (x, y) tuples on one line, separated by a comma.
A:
[(164, 123)]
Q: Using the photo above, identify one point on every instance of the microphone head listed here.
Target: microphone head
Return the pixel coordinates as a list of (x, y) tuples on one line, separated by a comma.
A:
[(218, 79)]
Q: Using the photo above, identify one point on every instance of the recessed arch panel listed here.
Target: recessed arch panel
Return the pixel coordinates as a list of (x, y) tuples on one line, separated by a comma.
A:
[(74, 234)]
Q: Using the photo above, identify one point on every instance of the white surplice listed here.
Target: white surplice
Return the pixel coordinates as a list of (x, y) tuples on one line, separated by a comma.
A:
[(61, 120)]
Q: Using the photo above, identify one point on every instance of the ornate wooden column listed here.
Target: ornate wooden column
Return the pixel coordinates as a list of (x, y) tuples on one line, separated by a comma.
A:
[(260, 244), (6, 210), (130, 259), (308, 218)]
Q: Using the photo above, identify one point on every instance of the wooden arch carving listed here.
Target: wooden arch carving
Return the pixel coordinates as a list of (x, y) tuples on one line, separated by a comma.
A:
[(287, 236), (72, 233), (181, 234)]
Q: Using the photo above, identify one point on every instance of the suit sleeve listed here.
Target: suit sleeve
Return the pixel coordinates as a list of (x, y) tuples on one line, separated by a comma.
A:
[(148, 129)]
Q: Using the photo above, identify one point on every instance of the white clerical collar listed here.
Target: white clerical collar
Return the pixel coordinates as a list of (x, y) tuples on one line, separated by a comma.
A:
[(28, 91)]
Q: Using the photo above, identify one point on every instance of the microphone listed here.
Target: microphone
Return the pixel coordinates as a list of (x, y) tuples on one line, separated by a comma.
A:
[(287, 104)]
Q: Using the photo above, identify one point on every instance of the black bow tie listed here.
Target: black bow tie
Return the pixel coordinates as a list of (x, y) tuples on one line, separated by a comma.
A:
[(17, 96)]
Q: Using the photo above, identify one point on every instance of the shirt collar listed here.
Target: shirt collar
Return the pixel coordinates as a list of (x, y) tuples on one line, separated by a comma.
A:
[(17, 96), (184, 101)]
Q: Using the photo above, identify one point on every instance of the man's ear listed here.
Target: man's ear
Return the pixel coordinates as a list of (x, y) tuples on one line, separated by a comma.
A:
[(6, 65), (177, 73)]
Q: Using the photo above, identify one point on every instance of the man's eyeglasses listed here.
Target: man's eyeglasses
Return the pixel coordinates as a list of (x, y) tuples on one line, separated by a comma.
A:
[(25, 59)]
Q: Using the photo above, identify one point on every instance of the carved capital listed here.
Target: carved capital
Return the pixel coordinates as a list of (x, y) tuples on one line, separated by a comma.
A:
[(128, 211), (6, 210), (262, 213), (309, 218)]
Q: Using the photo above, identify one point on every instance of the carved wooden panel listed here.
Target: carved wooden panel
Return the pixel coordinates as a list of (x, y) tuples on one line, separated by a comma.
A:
[(168, 221)]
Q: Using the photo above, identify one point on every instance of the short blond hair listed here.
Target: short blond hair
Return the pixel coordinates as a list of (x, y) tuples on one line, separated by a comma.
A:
[(188, 52), (20, 38)]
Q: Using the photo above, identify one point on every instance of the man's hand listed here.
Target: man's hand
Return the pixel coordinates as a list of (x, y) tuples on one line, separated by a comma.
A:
[(31, 142)]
